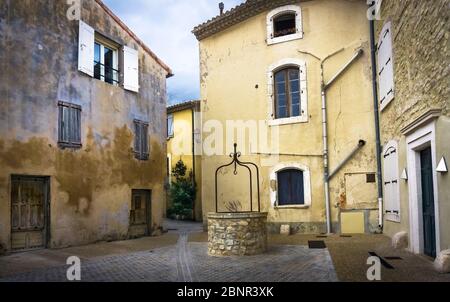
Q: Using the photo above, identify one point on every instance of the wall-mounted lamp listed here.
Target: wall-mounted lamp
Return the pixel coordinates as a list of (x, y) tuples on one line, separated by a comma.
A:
[(442, 167), (404, 175)]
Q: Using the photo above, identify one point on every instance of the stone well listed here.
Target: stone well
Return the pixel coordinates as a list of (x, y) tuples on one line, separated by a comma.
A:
[(237, 234)]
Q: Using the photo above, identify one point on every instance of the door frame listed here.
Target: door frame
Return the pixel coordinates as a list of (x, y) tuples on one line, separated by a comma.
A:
[(148, 207), (418, 140), (47, 217)]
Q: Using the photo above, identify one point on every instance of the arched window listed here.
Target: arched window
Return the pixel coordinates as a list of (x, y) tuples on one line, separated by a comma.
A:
[(291, 189), (290, 185), (287, 93), (284, 25)]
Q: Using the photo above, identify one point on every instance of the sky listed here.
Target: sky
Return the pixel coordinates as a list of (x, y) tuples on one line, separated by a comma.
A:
[(165, 26)]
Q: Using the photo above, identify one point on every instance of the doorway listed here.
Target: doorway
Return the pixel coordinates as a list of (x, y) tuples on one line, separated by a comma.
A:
[(140, 215), (428, 210), (423, 190), (30, 212)]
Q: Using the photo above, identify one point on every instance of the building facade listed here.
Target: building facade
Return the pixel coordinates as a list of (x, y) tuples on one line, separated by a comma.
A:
[(82, 127), (413, 56), (183, 143), (261, 67)]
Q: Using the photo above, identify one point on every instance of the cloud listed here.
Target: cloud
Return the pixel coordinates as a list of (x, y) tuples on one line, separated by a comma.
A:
[(165, 26)]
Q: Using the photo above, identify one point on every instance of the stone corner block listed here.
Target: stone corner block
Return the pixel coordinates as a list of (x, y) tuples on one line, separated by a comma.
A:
[(442, 262), (400, 240)]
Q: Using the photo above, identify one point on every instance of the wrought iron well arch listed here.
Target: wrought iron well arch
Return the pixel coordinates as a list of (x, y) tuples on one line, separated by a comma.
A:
[(236, 162)]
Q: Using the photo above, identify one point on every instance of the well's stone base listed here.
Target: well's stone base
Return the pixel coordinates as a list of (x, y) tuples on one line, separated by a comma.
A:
[(237, 234)]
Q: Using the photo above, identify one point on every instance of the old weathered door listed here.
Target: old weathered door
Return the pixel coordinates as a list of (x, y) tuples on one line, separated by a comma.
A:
[(141, 212), (429, 231), (29, 212)]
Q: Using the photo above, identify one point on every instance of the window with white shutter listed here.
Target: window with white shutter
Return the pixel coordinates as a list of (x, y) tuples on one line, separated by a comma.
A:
[(391, 182), (130, 69), (106, 60), (86, 43), (385, 66)]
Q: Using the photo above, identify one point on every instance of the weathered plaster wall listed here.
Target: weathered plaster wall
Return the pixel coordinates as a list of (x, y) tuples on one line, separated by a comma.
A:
[(420, 31), (90, 187), (234, 66)]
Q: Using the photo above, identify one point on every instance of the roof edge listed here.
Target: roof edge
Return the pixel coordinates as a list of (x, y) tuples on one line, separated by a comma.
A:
[(238, 14), (193, 104), (135, 37)]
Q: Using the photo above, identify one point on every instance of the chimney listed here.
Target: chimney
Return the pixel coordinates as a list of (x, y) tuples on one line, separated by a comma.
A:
[(221, 7)]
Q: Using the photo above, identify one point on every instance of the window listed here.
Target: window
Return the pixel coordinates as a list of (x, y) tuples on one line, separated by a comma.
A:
[(69, 129), (170, 126), (98, 57), (385, 66), (391, 182), (287, 93), (284, 24), (106, 63), (141, 150), (290, 187)]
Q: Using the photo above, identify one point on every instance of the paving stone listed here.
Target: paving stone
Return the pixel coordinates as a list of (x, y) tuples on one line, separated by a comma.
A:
[(189, 262)]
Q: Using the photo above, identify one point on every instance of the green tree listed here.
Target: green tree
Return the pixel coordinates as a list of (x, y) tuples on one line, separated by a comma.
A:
[(182, 191)]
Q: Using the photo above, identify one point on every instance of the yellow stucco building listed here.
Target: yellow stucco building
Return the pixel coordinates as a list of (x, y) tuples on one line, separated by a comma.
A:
[(183, 141), (261, 67)]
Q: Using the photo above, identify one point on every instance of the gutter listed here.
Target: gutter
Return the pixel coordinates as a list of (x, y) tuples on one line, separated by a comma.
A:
[(324, 88), (193, 162), (377, 122), (361, 144)]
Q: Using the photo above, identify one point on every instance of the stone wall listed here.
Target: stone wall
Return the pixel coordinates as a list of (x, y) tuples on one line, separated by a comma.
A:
[(420, 38), (237, 234)]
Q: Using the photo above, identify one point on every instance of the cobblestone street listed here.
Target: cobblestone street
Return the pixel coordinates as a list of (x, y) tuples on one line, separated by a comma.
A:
[(181, 256), (189, 262)]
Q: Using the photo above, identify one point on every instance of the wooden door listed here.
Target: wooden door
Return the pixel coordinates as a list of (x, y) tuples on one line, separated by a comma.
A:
[(29, 212), (141, 210)]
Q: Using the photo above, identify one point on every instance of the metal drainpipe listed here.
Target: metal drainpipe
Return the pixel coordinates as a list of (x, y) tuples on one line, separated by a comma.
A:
[(377, 123), (193, 161), (325, 151), (324, 87), (326, 171)]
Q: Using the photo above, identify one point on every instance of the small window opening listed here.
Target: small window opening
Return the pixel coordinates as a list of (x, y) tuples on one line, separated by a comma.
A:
[(284, 25)]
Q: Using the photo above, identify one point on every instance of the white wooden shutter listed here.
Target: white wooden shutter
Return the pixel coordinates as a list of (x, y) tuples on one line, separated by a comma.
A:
[(391, 182), (385, 66), (130, 69), (86, 43)]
